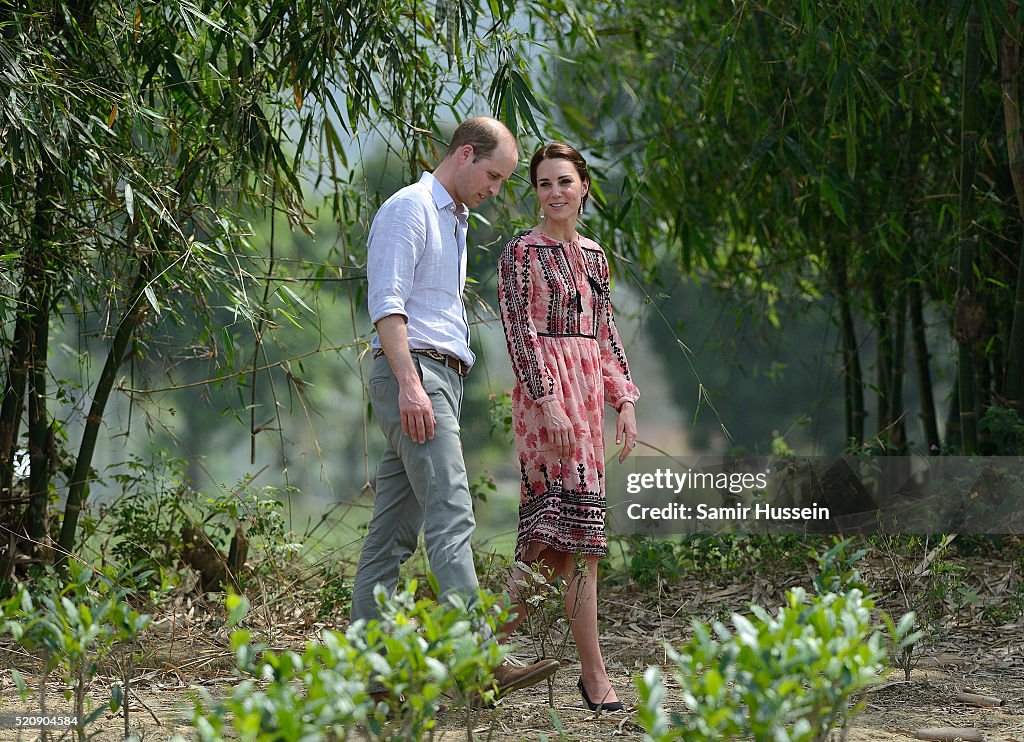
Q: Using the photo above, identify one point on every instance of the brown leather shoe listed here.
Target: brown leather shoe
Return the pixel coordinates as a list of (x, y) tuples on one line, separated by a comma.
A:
[(508, 677)]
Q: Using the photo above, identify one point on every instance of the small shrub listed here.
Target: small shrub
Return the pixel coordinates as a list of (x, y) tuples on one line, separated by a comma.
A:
[(334, 595), (653, 559), (75, 621), (546, 622), (836, 571), (789, 677), (421, 651), (1004, 429)]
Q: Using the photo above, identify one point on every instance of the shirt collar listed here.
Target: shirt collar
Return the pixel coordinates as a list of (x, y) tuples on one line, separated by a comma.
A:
[(443, 199)]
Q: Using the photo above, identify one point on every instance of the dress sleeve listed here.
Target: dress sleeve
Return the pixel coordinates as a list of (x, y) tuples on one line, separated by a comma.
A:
[(618, 385), (515, 297)]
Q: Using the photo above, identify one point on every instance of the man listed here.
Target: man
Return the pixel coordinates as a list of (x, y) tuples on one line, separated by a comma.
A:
[(416, 268)]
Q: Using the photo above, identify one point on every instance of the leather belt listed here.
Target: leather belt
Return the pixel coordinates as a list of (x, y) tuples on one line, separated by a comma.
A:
[(455, 364)]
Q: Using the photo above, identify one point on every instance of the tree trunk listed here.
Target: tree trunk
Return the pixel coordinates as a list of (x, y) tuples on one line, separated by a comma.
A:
[(1009, 63), (853, 398), (39, 336), (39, 449), (14, 396), (78, 486), (10, 424), (965, 327), (922, 360), (883, 361), (1015, 343), (897, 371), (953, 437)]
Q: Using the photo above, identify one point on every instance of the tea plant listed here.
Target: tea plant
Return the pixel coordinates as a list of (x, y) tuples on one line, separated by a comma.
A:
[(928, 581), (544, 602), (836, 570), (76, 623), (791, 676), (420, 651)]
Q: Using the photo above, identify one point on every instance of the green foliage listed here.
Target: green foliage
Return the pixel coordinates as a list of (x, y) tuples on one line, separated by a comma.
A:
[(651, 561), (647, 560), (836, 572), (544, 600), (139, 142), (500, 413), (1004, 429), (790, 676), (158, 505), (419, 650), (146, 519), (334, 596), (76, 623), (481, 486), (797, 152)]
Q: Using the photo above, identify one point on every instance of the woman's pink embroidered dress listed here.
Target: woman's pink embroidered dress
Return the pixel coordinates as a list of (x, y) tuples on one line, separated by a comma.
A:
[(556, 310)]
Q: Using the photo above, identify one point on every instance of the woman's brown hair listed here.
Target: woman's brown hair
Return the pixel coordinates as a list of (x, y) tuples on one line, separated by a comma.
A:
[(560, 150)]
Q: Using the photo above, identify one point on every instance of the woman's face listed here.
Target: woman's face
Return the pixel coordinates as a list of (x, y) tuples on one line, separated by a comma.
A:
[(559, 189)]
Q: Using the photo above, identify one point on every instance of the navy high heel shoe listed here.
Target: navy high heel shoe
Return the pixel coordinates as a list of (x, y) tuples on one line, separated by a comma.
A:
[(612, 706)]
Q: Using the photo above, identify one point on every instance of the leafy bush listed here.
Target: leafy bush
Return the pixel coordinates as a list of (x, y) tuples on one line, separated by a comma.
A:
[(421, 651), (75, 622), (161, 520), (1004, 429), (789, 677)]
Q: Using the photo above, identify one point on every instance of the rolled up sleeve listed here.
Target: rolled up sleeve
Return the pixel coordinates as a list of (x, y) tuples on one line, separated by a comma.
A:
[(395, 245)]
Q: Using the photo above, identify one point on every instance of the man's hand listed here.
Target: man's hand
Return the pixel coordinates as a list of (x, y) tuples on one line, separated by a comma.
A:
[(417, 412), (413, 403)]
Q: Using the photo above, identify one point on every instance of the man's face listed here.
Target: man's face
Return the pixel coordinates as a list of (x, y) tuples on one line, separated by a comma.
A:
[(477, 181)]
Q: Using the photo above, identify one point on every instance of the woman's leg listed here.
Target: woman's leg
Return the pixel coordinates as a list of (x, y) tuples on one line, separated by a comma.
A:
[(551, 564), (581, 608)]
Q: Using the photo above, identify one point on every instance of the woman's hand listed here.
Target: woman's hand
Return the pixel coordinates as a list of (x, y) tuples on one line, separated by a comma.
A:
[(560, 429), (625, 429)]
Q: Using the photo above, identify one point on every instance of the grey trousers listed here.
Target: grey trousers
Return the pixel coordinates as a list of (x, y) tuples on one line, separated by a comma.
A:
[(420, 486)]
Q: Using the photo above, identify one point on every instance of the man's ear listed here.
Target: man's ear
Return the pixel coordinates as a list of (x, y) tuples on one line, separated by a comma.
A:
[(466, 153)]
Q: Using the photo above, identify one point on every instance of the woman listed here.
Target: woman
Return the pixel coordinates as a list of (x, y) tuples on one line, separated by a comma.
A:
[(555, 302)]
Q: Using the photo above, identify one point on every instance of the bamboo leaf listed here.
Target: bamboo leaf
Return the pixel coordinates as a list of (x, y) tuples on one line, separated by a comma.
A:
[(832, 198), (297, 299), (129, 201), (761, 148), (526, 102), (202, 16), (851, 133), (717, 73), (836, 89), (998, 9), (989, 31), (151, 298)]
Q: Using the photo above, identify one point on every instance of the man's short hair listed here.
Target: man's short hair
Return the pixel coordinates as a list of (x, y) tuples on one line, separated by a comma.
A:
[(482, 132)]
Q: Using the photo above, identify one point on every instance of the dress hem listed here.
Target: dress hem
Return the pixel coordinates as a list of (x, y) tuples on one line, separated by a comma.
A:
[(524, 554)]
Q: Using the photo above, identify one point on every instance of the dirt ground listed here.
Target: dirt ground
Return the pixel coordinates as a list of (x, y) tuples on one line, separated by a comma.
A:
[(961, 653)]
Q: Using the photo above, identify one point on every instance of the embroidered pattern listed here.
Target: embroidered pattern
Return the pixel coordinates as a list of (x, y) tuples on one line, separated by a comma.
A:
[(555, 302)]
